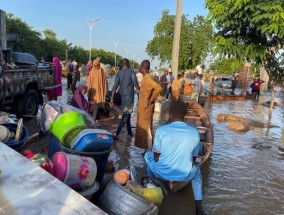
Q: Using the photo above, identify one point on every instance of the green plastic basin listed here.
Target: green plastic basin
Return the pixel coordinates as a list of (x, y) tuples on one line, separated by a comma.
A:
[(67, 126)]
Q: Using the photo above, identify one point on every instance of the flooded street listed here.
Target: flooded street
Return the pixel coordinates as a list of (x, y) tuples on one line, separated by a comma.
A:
[(243, 175), (244, 179)]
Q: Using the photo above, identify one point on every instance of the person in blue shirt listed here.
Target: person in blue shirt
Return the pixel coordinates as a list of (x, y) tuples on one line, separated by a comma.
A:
[(175, 148)]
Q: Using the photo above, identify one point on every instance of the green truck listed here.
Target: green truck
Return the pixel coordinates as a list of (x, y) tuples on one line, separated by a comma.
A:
[(23, 79)]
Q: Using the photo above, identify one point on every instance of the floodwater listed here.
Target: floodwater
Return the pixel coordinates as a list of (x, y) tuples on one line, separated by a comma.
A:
[(243, 175)]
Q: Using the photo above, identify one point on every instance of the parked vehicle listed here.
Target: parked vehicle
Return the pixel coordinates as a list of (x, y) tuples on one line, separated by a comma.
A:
[(22, 77), (223, 82)]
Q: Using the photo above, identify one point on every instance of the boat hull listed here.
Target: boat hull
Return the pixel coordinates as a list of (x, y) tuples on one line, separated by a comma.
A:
[(222, 98)]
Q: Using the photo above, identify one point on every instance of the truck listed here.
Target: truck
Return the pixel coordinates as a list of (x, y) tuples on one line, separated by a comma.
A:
[(23, 79)]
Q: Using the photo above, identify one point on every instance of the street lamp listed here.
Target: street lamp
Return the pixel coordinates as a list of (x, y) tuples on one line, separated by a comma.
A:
[(127, 51), (115, 44), (133, 61), (138, 62), (91, 25)]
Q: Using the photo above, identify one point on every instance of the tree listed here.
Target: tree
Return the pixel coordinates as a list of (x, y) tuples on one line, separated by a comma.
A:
[(194, 40), (51, 46), (226, 66), (29, 39), (251, 30), (200, 40), (46, 45)]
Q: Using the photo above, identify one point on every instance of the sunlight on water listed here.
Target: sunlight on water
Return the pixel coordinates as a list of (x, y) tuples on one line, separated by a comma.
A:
[(241, 177)]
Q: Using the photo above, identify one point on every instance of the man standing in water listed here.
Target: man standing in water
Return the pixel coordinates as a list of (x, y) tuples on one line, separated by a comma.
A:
[(149, 93), (126, 80), (175, 148), (256, 87)]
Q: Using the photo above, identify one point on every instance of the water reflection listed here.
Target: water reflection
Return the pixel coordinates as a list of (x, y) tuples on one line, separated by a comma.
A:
[(245, 180), (237, 179)]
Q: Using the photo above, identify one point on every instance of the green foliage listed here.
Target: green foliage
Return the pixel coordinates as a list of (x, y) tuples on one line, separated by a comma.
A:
[(250, 30), (226, 66), (45, 45), (29, 39), (194, 40)]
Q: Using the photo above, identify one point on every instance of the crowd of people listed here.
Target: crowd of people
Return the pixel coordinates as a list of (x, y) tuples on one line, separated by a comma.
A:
[(173, 146)]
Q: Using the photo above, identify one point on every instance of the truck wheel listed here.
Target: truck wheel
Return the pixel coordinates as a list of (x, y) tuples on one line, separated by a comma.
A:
[(28, 105)]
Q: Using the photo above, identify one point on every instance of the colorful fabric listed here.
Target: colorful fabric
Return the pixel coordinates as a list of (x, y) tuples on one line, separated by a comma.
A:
[(79, 100), (97, 85), (40, 160), (150, 89), (256, 85), (55, 92), (188, 90), (176, 87)]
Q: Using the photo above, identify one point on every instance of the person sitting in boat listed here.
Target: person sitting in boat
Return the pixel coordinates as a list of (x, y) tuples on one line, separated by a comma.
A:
[(79, 100), (175, 148)]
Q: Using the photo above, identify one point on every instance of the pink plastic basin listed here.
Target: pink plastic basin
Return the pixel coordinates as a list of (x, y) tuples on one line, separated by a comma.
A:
[(78, 172)]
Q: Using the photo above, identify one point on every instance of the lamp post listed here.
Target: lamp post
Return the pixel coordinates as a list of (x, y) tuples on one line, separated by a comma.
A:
[(138, 62), (133, 61), (115, 44), (127, 51), (91, 25)]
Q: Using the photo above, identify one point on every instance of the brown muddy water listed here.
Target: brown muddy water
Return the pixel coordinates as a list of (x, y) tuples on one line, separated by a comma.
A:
[(244, 175)]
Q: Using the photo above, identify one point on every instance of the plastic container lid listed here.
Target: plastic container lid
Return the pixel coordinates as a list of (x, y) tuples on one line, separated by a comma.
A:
[(85, 132), (60, 165), (94, 188)]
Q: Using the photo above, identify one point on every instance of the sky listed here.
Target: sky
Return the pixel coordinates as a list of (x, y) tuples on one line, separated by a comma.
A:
[(128, 22)]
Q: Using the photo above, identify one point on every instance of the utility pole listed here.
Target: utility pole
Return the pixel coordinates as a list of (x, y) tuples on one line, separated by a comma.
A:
[(133, 62), (127, 51), (91, 25), (115, 44), (175, 53)]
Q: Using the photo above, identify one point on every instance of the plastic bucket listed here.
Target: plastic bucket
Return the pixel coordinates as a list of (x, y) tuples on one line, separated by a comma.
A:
[(67, 126), (90, 192), (101, 159), (11, 142), (53, 146), (78, 172), (92, 140)]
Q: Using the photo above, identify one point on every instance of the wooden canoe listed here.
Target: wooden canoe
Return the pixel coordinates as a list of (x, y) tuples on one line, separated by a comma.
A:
[(197, 117), (245, 95)]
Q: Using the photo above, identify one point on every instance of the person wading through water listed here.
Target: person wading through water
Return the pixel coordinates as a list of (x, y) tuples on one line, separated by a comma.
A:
[(149, 92), (126, 80)]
